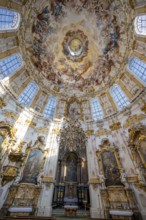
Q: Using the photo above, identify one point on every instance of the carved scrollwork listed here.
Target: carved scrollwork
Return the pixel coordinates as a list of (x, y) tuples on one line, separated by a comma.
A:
[(9, 173)]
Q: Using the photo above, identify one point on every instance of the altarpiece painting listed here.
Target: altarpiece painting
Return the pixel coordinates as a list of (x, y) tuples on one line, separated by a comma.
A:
[(111, 170), (32, 168)]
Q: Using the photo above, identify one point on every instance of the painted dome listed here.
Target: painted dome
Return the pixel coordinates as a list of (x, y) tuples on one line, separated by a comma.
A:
[(76, 47)]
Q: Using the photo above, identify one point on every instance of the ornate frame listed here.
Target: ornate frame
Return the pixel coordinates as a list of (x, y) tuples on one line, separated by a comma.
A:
[(106, 147), (136, 136), (28, 151)]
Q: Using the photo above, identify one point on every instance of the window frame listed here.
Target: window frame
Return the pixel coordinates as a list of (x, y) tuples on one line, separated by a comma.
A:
[(137, 32), (98, 109), (111, 88), (29, 104), (132, 73), (44, 114), (17, 24), (13, 72)]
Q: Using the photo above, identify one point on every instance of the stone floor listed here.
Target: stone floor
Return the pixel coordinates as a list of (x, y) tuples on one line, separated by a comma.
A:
[(72, 218)]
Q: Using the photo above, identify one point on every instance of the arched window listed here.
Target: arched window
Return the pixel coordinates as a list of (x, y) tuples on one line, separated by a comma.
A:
[(140, 24), (9, 19), (28, 94), (138, 68), (119, 97), (10, 65), (50, 107), (96, 109)]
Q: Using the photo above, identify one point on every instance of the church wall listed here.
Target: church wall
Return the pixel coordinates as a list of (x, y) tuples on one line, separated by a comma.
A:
[(35, 126)]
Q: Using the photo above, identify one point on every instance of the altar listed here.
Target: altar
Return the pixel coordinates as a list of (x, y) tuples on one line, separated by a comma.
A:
[(70, 210)]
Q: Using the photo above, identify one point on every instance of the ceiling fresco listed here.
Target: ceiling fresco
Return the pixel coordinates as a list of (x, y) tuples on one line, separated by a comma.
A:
[(76, 47)]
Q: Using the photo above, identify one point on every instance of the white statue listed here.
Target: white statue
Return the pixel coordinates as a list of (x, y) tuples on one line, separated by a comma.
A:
[(18, 177), (123, 180), (39, 178)]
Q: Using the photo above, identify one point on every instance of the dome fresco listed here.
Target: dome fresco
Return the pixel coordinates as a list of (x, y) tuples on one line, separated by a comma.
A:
[(76, 47)]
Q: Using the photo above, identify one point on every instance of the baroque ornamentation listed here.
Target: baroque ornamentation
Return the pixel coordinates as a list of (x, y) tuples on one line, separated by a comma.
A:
[(9, 173), (72, 137), (110, 165), (115, 126), (137, 145), (2, 103), (16, 153), (85, 52), (132, 120), (144, 108)]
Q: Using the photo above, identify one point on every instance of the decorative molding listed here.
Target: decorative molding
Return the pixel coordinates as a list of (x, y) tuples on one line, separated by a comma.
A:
[(144, 108), (2, 103), (89, 132), (115, 126), (132, 120)]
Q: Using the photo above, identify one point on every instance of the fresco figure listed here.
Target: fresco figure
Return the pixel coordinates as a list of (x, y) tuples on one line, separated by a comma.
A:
[(111, 170), (32, 168)]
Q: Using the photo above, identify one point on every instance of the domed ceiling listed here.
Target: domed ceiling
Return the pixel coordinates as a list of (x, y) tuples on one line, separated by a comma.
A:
[(76, 47)]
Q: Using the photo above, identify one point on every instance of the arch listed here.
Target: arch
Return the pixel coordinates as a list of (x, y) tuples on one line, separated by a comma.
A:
[(97, 112), (28, 94), (50, 107), (138, 68), (9, 19), (10, 65), (140, 24), (119, 96)]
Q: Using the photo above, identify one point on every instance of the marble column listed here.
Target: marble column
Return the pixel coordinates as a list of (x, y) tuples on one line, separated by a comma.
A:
[(45, 202), (96, 210)]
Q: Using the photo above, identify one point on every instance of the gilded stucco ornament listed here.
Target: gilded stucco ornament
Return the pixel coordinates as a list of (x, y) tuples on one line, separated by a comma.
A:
[(9, 173), (102, 132), (10, 114), (140, 186), (89, 132), (94, 182), (2, 103), (144, 108), (48, 180), (115, 126), (137, 141), (16, 153), (132, 120)]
